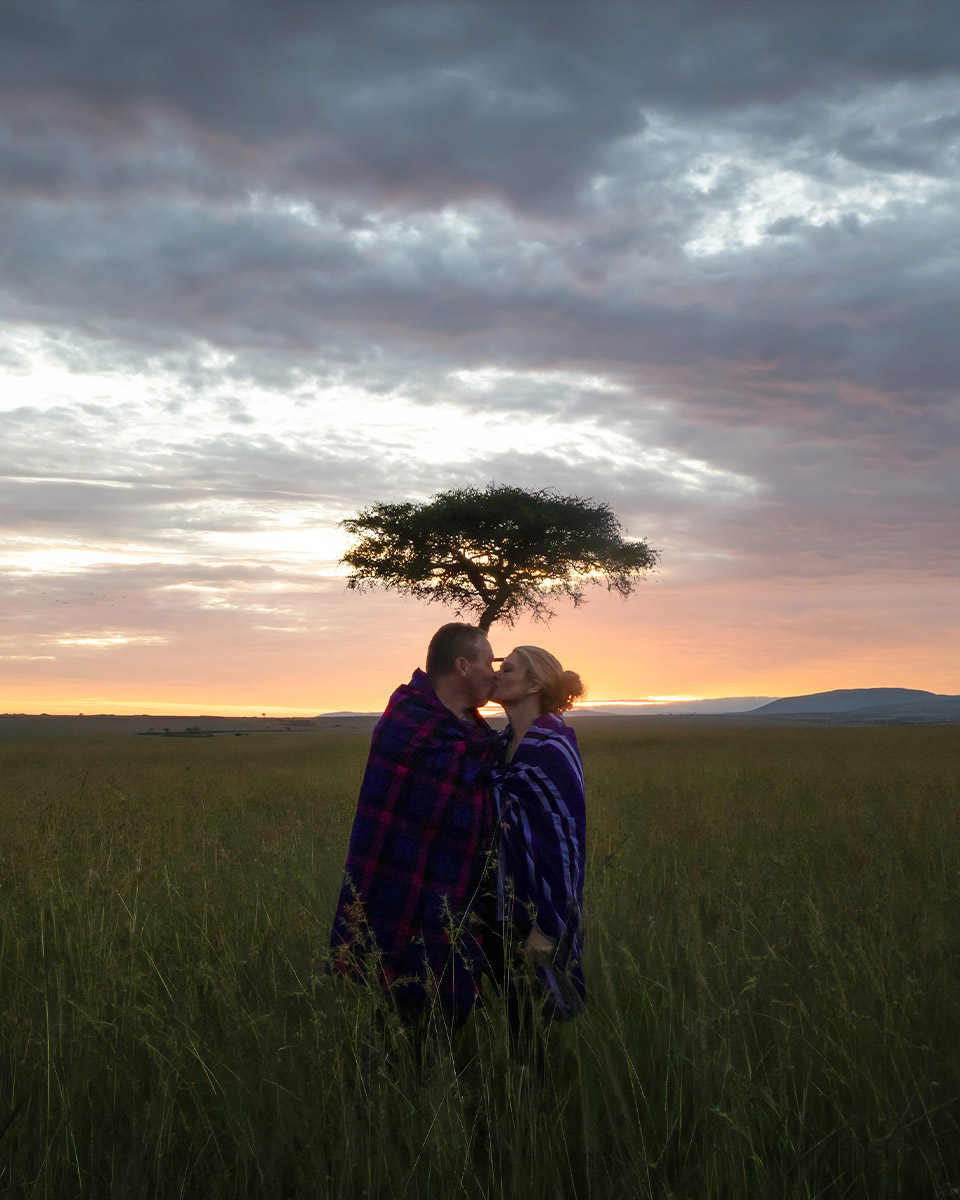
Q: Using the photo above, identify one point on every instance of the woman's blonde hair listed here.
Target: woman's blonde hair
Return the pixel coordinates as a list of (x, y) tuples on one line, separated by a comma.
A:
[(558, 688)]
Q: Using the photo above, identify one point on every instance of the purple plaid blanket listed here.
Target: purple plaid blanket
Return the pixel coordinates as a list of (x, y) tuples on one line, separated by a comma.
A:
[(543, 838), (423, 830)]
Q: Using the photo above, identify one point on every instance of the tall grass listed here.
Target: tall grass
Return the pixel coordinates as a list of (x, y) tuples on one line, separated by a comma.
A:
[(773, 932)]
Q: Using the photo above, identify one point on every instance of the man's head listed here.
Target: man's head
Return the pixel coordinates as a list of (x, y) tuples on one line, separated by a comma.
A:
[(460, 665)]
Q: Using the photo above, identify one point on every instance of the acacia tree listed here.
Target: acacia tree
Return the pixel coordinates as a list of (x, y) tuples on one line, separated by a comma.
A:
[(494, 552)]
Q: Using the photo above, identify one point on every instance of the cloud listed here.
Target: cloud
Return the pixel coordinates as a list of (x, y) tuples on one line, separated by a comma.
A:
[(262, 265), (421, 102)]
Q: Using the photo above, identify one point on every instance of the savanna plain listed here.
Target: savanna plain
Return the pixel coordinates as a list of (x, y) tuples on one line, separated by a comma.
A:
[(773, 961)]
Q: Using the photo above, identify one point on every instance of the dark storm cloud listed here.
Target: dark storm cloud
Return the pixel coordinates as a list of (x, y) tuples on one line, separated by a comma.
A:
[(395, 96), (438, 100), (927, 146)]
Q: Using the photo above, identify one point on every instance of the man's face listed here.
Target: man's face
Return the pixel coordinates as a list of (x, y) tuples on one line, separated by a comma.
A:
[(479, 676)]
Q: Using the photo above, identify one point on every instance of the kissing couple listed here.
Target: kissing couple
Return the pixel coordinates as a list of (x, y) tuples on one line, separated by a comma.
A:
[(467, 850)]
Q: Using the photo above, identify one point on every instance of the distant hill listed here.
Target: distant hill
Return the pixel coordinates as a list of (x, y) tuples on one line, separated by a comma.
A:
[(938, 710), (674, 708), (844, 700)]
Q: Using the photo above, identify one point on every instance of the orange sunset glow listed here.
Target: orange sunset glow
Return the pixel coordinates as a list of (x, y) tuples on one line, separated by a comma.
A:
[(653, 647)]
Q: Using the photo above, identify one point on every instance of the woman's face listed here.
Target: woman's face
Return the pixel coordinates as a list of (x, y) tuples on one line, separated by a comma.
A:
[(513, 682)]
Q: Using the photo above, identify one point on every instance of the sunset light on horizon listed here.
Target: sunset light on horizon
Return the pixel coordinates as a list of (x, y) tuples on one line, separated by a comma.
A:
[(266, 265)]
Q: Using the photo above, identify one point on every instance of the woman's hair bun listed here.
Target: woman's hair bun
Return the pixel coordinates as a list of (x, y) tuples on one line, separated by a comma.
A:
[(569, 688)]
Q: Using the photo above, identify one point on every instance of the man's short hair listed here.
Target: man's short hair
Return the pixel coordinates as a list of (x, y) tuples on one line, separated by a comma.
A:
[(450, 642)]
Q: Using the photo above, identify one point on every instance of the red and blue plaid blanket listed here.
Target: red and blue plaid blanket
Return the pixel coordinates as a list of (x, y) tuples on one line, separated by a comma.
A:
[(424, 827)]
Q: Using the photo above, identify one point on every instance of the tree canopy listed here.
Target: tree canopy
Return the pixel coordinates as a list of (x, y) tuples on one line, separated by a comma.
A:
[(495, 552)]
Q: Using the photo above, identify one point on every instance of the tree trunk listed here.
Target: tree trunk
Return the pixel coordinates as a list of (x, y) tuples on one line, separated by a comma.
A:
[(492, 611), (490, 614)]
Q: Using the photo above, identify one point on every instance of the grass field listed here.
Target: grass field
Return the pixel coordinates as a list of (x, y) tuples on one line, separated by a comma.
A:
[(773, 935)]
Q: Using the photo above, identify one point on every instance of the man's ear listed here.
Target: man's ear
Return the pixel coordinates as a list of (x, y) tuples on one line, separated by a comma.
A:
[(461, 665)]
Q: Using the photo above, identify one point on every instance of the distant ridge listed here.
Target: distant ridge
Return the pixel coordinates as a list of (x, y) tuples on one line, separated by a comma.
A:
[(844, 700), (843, 706), (675, 708)]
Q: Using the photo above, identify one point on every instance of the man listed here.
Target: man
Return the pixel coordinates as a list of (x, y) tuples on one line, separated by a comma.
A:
[(422, 833)]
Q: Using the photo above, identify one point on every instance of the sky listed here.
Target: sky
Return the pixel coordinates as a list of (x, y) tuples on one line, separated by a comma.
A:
[(265, 264)]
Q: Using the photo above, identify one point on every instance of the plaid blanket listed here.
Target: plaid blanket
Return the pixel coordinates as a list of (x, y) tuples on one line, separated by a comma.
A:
[(543, 838), (424, 827)]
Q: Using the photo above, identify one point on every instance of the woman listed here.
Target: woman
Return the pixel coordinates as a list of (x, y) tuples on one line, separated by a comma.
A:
[(543, 829)]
